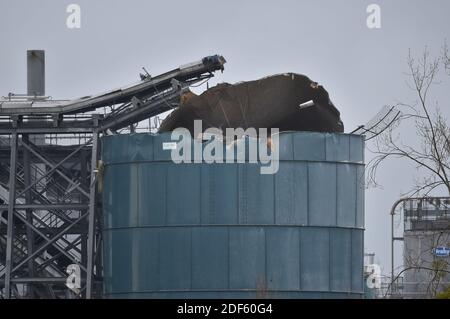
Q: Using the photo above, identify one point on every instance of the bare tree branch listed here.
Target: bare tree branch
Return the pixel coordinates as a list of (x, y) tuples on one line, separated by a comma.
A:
[(431, 151)]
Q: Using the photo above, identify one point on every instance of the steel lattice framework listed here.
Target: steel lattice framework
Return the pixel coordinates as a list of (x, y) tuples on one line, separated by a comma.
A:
[(50, 214)]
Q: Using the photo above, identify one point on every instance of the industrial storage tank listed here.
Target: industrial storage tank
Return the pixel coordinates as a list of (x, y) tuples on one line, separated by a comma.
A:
[(215, 230)]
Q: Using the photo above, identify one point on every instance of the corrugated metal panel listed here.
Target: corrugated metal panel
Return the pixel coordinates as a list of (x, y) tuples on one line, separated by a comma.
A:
[(337, 147), (225, 230), (174, 258), (183, 200), (291, 193), (357, 260), (124, 177), (259, 199), (247, 257), (152, 186), (210, 258), (346, 195), (283, 265), (322, 194), (360, 196), (147, 259), (356, 148), (315, 259), (341, 259), (218, 180), (312, 148)]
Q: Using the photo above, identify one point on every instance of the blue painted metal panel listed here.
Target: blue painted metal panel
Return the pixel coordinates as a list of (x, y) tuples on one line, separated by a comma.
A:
[(142, 148), (356, 148), (357, 260), (260, 196), (182, 197), (341, 259), (175, 258), (118, 256), (235, 295), (108, 249), (291, 194), (123, 149), (322, 194), (219, 179), (315, 259), (159, 153), (360, 196), (346, 195), (146, 258), (283, 258), (121, 211), (210, 258), (286, 146), (152, 193), (311, 148), (247, 258), (115, 149), (337, 147)]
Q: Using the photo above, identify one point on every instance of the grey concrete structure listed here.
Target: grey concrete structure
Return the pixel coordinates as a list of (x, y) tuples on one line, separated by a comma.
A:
[(427, 227)]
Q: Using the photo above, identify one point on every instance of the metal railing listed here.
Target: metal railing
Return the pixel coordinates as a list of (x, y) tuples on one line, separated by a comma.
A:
[(430, 213)]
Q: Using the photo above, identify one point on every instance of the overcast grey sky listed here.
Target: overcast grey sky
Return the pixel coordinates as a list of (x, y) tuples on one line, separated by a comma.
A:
[(362, 69)]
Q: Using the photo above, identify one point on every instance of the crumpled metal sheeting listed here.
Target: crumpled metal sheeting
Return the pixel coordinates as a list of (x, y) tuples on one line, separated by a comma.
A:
[(270, 102)]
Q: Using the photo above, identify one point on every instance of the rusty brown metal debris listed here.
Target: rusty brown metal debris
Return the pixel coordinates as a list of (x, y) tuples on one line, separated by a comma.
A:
[(270, 102)]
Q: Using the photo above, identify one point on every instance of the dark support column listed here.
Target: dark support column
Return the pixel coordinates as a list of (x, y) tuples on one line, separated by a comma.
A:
[(99, 245), (10, 226), (85, 184), (29, 212), (36, 72), (91, 216)]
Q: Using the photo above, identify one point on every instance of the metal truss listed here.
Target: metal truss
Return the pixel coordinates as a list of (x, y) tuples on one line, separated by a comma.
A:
[(50, 214), (51, 217)]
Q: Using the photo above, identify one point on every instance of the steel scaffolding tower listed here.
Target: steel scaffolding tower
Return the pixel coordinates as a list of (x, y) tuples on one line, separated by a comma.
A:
[(50, 215)]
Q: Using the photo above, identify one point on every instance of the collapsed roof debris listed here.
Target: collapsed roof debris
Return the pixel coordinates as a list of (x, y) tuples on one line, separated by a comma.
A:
[(290, 102)]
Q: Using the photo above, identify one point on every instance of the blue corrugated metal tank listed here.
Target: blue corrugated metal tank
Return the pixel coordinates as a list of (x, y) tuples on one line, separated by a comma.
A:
[(227, 231)]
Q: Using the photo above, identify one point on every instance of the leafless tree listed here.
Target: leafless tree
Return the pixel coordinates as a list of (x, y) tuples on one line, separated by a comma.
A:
[(430, 151), (446, 58)]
